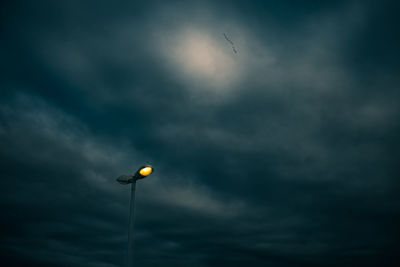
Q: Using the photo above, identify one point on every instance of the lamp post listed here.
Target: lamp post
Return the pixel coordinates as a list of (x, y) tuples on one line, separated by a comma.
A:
[(141, 173)]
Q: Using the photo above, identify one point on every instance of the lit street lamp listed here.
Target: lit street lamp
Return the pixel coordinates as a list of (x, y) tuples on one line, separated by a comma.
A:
[(141, 173)]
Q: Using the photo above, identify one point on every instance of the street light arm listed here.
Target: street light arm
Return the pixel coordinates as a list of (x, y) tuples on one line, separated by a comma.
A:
[(125, 179)]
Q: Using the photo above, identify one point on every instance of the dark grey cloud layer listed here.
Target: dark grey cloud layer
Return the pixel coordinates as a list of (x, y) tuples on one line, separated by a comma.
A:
[(284, 154)]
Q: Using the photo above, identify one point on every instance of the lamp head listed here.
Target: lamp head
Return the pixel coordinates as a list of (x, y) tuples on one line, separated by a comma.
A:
[(141, 173), (144, 171)]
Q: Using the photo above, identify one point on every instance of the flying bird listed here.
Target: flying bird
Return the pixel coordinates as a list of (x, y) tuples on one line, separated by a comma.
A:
[(226, 37), (233, 46)]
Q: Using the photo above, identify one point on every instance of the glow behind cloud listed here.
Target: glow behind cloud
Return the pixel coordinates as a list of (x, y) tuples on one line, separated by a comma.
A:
[(201, 60)]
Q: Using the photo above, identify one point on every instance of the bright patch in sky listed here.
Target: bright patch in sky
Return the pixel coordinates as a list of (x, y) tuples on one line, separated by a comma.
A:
[(202, 60), (201, 55)]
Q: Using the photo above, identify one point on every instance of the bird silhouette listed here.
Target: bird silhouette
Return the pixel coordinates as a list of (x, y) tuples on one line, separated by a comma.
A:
[(232, 44)]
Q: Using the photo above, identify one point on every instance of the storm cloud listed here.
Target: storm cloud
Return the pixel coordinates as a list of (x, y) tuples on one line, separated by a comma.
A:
[(282, 154)]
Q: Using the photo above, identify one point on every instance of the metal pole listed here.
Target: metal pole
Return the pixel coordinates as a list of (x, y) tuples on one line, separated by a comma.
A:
[(130, 233)]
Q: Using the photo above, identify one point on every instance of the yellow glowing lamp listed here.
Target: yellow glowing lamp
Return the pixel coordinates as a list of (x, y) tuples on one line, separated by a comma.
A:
[(141, 173), (146, 171)]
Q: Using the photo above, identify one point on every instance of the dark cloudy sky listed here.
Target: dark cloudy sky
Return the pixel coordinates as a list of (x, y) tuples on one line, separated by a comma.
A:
[(284, 154)]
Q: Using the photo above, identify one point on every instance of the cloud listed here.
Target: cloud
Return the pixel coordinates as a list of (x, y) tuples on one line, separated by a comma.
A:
[(49, 142), (283, 154)]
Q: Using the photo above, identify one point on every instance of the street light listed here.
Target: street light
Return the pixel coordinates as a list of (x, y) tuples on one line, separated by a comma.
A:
[(141, 173)]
